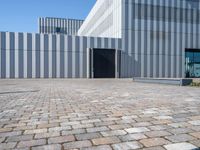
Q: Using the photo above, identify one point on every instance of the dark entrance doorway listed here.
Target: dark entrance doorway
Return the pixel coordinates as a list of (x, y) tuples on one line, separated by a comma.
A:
[(104, 63)]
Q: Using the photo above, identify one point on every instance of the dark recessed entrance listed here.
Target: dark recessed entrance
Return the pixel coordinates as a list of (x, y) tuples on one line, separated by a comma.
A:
[(104, 63)]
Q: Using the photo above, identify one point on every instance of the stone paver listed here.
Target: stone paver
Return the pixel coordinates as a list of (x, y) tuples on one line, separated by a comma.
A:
[(182, 146), (97, 115), (127, 146), (154, 142), (48, 147)]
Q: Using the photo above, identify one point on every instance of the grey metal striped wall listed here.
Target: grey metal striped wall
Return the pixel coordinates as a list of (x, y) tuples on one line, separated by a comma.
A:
[(66, 26), (155, 35), (27, 55)]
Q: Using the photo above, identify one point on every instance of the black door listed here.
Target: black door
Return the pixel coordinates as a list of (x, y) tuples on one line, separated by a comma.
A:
[(104, 63)]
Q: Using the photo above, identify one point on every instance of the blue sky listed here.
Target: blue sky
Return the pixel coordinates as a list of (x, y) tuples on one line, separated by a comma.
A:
[(21, 15)]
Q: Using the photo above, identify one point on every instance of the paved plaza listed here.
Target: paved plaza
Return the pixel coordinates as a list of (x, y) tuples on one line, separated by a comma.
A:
[(98, 115)]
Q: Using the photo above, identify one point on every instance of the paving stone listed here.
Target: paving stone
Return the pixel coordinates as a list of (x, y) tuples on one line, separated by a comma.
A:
[(196, 134), (119, 126), (157, 133), (159, 127), (35, 131), (9, 145), (58, 129), (137, 130), (87, 136), (5, 129), (182, 146), (180, 130), (24, 144), (75, 131), (97, 129), (132, 137), (48, 125), (48, 147), (86, 109), (196, 143), (154, 148), (105, 141), (61, 139), (8, 134), (46, 135), (127, 146), (82, 126), (2, 139), (20, 138), (195, 122), (154, 142), (180, 138), (102, 147), (77, 144), (113, 133)]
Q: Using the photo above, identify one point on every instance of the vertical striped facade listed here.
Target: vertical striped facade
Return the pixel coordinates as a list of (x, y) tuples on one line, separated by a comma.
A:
[(59, 25), (156, 34), (27, 55)]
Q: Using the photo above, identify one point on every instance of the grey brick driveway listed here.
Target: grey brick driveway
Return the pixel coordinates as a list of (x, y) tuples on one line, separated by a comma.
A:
[(98, 115)]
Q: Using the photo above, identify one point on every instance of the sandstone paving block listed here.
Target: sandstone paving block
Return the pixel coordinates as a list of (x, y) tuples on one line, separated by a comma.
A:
[(127, 146), (20, 138), (24, 144), (97, 129), (154, 142), (61, 139), (180, 138), (5, 129), (132, 137), (8, 134), (181, 146), (35, 131), (106, 123), (9, 145), (70, 123), (195, 142), (77, 145), (75, 131), (90, 121), (142, 124), (25, 128), (119, 126), (137, 130), (82, 126), (46, 125), (180, 130), (46, 135), (58, 129), (102, 147), (157, 133), (195, 122), (154, 148), (105, 141), (114, 133), (159, 127), (2, 139), (87, 136), (196, 134), (48, 147)]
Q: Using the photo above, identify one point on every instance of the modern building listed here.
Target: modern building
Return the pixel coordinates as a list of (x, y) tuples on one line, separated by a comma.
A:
[(119, 38), (59, 25)]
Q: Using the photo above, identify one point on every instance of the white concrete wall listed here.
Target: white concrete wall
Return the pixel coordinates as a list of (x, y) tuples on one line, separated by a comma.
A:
[(104, 20)]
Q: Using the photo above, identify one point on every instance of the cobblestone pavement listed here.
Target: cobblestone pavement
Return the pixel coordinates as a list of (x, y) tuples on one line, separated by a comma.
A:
[(98, 115)]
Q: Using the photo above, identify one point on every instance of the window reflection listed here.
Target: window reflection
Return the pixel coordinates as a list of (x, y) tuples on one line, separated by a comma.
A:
[(192, 60)]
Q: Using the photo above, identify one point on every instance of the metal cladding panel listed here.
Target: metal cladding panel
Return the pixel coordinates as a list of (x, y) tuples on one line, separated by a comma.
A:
[(155, 35), (29, 55), (26, 55), (12, 55)]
